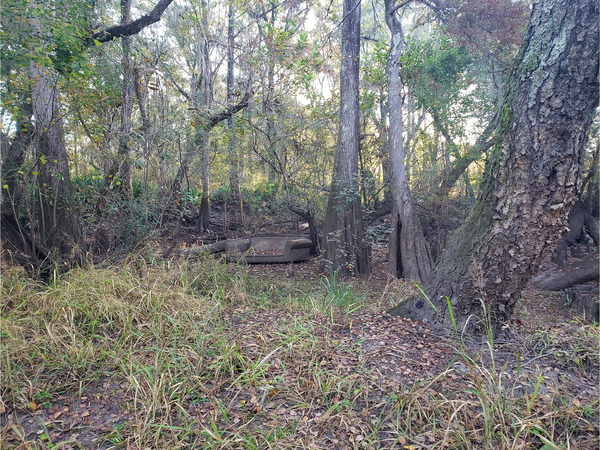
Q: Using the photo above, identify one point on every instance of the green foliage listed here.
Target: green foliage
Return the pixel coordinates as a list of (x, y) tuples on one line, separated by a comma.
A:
[(125, 222), (219, 195), (68, 54), (88, 185), (374, 62), (435, 70), (48, 32), (262, 195), (194, 196), (340, 296)]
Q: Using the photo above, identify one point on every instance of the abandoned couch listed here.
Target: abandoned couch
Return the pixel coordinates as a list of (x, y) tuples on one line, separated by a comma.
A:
[(258, 249)]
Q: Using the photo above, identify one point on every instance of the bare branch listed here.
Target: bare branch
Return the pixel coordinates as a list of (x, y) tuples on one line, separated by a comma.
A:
[(227, 113), (131, 28)]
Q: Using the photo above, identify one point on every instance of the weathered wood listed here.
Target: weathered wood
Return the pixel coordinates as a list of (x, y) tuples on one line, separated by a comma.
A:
[(578, 272), (584, 299)]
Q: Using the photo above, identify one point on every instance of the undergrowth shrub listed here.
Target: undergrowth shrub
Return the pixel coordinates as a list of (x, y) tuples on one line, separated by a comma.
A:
[(123, 223)]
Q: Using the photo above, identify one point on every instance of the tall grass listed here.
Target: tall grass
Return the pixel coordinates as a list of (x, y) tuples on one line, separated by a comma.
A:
[(209, 356)]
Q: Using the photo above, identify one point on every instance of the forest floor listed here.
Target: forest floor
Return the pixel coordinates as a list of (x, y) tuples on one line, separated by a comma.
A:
[(202, 354)]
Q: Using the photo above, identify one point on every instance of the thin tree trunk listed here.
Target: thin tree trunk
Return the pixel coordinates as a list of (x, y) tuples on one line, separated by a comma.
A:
[(268, 92), (140, 94), (119, 172), (384, 151), (408, 255), (343, 235), (205, 100), (123, 164), (460, 164), (202, 128), (234, 166)]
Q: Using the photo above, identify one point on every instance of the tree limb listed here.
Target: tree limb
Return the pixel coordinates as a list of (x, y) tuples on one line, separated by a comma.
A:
[(227, 113), (131, 28), (460, 164)]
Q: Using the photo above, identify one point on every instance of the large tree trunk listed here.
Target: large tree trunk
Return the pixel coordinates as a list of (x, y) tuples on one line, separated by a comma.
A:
[(532, 175), (343, 234), (408, 255), (59, 230), (18, 240)]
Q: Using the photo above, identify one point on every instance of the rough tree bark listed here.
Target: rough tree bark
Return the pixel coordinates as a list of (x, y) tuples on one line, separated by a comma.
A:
[(343, 234), (203, 96), (532, 175), (408, 254), (59, 230), (235, 197)]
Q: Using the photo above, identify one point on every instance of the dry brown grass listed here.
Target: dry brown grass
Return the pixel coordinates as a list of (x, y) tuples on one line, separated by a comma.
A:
[(203, 355)]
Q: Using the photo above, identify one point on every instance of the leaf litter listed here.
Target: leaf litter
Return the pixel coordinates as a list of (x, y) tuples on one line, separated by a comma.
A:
[(286, 375)]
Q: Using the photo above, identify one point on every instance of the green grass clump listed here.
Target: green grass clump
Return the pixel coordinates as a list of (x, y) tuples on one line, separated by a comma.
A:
[(87, 322)]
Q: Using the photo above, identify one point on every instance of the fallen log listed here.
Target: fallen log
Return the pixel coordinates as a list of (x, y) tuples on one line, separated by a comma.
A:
[(579, 272)]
